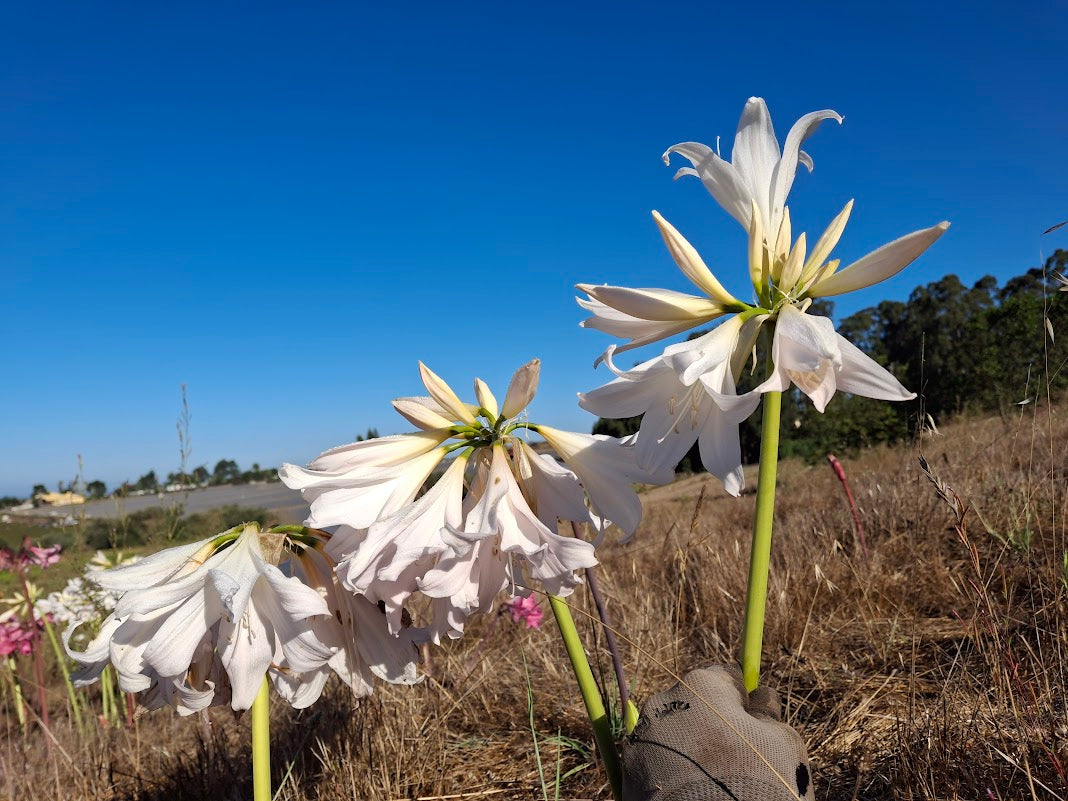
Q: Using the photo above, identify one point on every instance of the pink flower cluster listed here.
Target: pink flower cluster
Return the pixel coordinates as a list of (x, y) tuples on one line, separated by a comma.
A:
[(16, 637), (29, 554), (527, 610)]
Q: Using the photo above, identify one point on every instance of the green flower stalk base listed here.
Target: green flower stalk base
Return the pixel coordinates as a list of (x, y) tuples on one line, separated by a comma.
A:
[(591, 695), (261, 746), (760, 555)]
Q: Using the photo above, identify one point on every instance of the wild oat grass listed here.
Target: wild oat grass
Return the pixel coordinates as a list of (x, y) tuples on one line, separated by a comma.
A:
[(933, 668)]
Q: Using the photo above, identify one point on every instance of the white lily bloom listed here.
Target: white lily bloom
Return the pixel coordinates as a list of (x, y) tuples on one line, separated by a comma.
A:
[(460, 545), (757, 171), (202, 624), (688, 393), (684, 396)]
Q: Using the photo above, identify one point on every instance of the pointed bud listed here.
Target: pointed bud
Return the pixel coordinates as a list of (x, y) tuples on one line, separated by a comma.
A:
[(443, 394), (485, 397), (522, 388)]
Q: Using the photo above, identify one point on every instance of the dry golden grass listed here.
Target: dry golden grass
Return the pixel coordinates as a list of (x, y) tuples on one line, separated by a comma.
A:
[(933, 668)]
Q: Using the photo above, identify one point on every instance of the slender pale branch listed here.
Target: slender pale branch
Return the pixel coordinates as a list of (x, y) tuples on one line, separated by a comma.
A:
[(261, 745), (760, 555), (591, 695)]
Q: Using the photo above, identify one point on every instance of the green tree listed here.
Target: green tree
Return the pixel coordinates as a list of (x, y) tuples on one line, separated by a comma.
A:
[(226, 472), (96, 489), (148, 482)]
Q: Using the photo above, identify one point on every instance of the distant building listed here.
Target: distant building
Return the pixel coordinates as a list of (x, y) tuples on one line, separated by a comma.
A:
[(58, 499)]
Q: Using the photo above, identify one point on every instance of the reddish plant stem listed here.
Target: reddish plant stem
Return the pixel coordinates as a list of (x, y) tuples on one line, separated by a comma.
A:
[(840, 472), (610, 637), (38, 664)]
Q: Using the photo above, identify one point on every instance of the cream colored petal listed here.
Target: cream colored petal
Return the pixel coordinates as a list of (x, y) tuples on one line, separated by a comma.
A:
[(719, 177), (486, 398), (880, 264), (443, 394), (795, 262), (521, 388), (758, 262), (424, 413), (618, 324), (782, 245), (826, 243), (654, 304), (690, 262)]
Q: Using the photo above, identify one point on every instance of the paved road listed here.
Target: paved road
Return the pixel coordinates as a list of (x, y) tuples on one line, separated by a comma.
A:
[(286, 504)]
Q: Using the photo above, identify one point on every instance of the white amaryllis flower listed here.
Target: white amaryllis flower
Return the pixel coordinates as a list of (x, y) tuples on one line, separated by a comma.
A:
[(203, 624), (488, 523), (688, 393), (757, 172), (685, 395)]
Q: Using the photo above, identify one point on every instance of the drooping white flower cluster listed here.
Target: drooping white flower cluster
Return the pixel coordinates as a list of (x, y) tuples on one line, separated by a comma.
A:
[(688, 393), (489, 523), (202, 624)]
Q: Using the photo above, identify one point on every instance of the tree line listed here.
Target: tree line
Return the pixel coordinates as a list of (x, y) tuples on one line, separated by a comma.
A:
[(984, 348), (226, 471)]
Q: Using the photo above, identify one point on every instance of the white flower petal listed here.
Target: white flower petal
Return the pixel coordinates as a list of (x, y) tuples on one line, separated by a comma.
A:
[(618, 324), (783, 177), (367, 499), (826, 243), (486, 398), (691, 263), (721, 452), (720, 178), (443, 394), (862, 375), (607, 470), (756, 152), (152, 570), (655, 304), (359, 457), (424, 413), (878, 265), (521, 388)]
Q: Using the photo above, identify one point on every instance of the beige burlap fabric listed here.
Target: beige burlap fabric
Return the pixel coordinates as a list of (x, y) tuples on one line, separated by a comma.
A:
[(703, 739)]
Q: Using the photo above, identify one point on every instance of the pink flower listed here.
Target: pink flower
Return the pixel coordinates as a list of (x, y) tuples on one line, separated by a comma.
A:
[(42, 557), (526, 609), (29, 554), (15, 637)]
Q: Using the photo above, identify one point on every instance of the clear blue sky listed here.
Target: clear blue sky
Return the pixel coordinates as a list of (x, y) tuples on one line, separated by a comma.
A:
[(285, 207)]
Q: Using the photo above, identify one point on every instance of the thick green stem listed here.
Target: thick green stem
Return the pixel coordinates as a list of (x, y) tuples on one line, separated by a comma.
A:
[(261, 745), (760, 555), (61, 660), (591, 695)]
